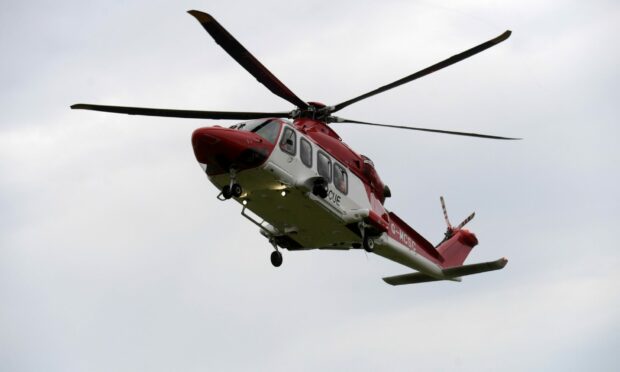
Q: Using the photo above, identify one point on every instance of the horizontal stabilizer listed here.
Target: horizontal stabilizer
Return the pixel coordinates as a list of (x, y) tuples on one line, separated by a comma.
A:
[(477, 268), (409, 279), (452, 273)]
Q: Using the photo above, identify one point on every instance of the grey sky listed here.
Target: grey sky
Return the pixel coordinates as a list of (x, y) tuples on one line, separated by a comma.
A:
[(115, 254)]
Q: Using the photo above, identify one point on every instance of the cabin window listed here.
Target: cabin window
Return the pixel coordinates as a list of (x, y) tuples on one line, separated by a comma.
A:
[(324, 166), (288, 142), (305, 152), (340, 178)]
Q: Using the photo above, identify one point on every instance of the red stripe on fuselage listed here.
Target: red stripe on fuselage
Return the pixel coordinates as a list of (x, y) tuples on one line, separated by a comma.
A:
[(410, 238)]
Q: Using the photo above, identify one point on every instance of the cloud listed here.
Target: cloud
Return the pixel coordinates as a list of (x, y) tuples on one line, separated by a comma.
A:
[(115, 254)]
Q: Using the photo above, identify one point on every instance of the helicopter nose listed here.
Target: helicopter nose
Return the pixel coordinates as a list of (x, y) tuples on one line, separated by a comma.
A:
[(220, 149)]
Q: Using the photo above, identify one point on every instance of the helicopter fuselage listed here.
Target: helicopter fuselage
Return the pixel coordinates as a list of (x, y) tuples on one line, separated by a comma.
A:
[(279, 163)]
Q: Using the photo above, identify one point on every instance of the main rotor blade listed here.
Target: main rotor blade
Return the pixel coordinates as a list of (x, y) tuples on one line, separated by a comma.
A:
[(245, 58), (190, 114), (438, 66), (342, 120)]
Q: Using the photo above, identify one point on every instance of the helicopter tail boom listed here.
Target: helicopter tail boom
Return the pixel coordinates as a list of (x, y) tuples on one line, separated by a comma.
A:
[(404, 245), (449, 253)]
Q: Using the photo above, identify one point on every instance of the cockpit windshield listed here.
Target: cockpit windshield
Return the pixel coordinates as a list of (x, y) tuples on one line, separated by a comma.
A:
[(266, 128)]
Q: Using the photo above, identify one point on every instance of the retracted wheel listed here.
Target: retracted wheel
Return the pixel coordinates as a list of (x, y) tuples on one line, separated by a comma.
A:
[(226, 192), (276, 258), (236, 190), (368, 243)]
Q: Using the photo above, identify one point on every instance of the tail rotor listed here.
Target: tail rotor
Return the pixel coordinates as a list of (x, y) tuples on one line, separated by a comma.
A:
[(450, 230)]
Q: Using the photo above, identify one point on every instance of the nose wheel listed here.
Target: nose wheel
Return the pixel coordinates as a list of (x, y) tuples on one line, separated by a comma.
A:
[(233, 188), (229, 191)]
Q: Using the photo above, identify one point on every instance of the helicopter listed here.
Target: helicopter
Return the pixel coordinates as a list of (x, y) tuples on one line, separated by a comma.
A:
[(304, 188)]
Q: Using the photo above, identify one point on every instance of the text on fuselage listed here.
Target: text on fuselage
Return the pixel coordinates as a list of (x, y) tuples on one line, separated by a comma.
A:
[(402, 236), (333, 198)]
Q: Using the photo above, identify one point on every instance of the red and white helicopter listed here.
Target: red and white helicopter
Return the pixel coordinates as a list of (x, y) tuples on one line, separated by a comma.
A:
[(304, 187)]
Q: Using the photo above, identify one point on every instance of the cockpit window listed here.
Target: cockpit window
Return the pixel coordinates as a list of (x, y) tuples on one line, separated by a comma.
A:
[(250, 125), (268, 129)]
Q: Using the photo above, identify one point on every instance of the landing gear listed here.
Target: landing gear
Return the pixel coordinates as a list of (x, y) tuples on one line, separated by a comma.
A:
[(276, 258), (233, 188), (226, 193), (368, 243), (236, 190), (230, 191)]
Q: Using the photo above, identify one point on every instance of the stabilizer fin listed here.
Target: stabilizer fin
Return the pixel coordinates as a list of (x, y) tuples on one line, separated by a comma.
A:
[(452, 274), (411, 278), (476, 268)]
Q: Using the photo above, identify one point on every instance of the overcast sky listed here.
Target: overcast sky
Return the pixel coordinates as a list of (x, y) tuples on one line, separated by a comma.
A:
[(116, 256)]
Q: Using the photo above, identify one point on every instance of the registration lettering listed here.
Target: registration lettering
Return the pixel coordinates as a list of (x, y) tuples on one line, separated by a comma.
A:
[(402, 236)]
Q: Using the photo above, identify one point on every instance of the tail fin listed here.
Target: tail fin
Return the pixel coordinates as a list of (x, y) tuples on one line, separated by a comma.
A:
[(456, 249), (457, 242)]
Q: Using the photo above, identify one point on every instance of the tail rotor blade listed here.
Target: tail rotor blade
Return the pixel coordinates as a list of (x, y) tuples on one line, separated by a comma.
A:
[(246, 59), (465, 221), (445, 212)]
